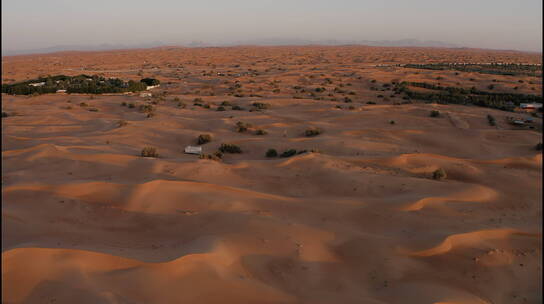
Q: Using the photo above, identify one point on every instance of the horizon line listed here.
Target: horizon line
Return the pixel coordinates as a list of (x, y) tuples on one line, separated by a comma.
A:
[(74, 49)]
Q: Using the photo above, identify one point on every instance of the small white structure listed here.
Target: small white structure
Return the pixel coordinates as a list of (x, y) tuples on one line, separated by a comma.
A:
[(193, 150), (152, 87), (145, 94), (529, 106), (37, 84), (61, 91)]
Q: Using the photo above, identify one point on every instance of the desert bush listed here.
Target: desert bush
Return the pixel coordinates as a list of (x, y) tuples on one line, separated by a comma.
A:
[(242, 126), (221, 108), (347, 99), (434, 113), (370, 102), (439, 174), (83, 104), (203, 139), (260, 105), (122, 123), (271, 153), (289, 153), (149, 152), (230, 148), (226, 103), (237, 108), (392, 122), (123, 104), (131, 105), (206, 106), (215, 156), (491, 120), (93, 109), (312, 132), (145, 108), (181, 105), (351, 108)]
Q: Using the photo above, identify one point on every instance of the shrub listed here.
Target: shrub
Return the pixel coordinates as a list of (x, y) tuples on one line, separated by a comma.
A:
[(261, 132), (146, 108), (230, 148), (242, 127), (221, 108), (237, 108), (83, 104), (351, 108), (226, 103), (392, 122), (122, 123), (491, 120), (123, 104), (439, 174), (435, 113), (181, 105), (538, 147), (93, 109), (347, 99), (271, 153), (176, 99), (131, 106), (370, 102), (149, 152), (203, 139), (260, 105), (215, 156), (312, 132), (289, 153)]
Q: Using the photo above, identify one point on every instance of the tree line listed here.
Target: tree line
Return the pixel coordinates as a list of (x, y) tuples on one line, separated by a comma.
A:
[(77, 84)]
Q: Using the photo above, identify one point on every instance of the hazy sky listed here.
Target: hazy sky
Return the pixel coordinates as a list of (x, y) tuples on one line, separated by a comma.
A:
[(500, 24)]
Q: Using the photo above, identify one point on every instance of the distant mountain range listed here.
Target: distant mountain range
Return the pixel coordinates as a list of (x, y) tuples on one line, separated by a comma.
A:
[(263, 42)]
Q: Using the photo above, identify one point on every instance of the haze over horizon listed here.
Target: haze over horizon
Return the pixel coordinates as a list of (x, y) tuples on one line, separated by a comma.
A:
[(30, 25)]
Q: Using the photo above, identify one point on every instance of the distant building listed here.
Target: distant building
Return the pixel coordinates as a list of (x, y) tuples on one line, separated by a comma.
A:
[(152, 87), (61, 91), (530, 106), (193, 150), (37, 84)]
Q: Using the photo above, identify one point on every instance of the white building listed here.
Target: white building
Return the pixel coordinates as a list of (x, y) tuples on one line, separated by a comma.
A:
[(152, 87), (37, 84), (193, 150), (530, 106)]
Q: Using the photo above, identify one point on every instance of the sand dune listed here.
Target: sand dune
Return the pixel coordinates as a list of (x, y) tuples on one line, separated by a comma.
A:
[(356, 217)]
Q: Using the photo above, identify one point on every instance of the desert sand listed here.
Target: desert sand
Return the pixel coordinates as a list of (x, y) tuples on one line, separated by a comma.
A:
[(86, 219)]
